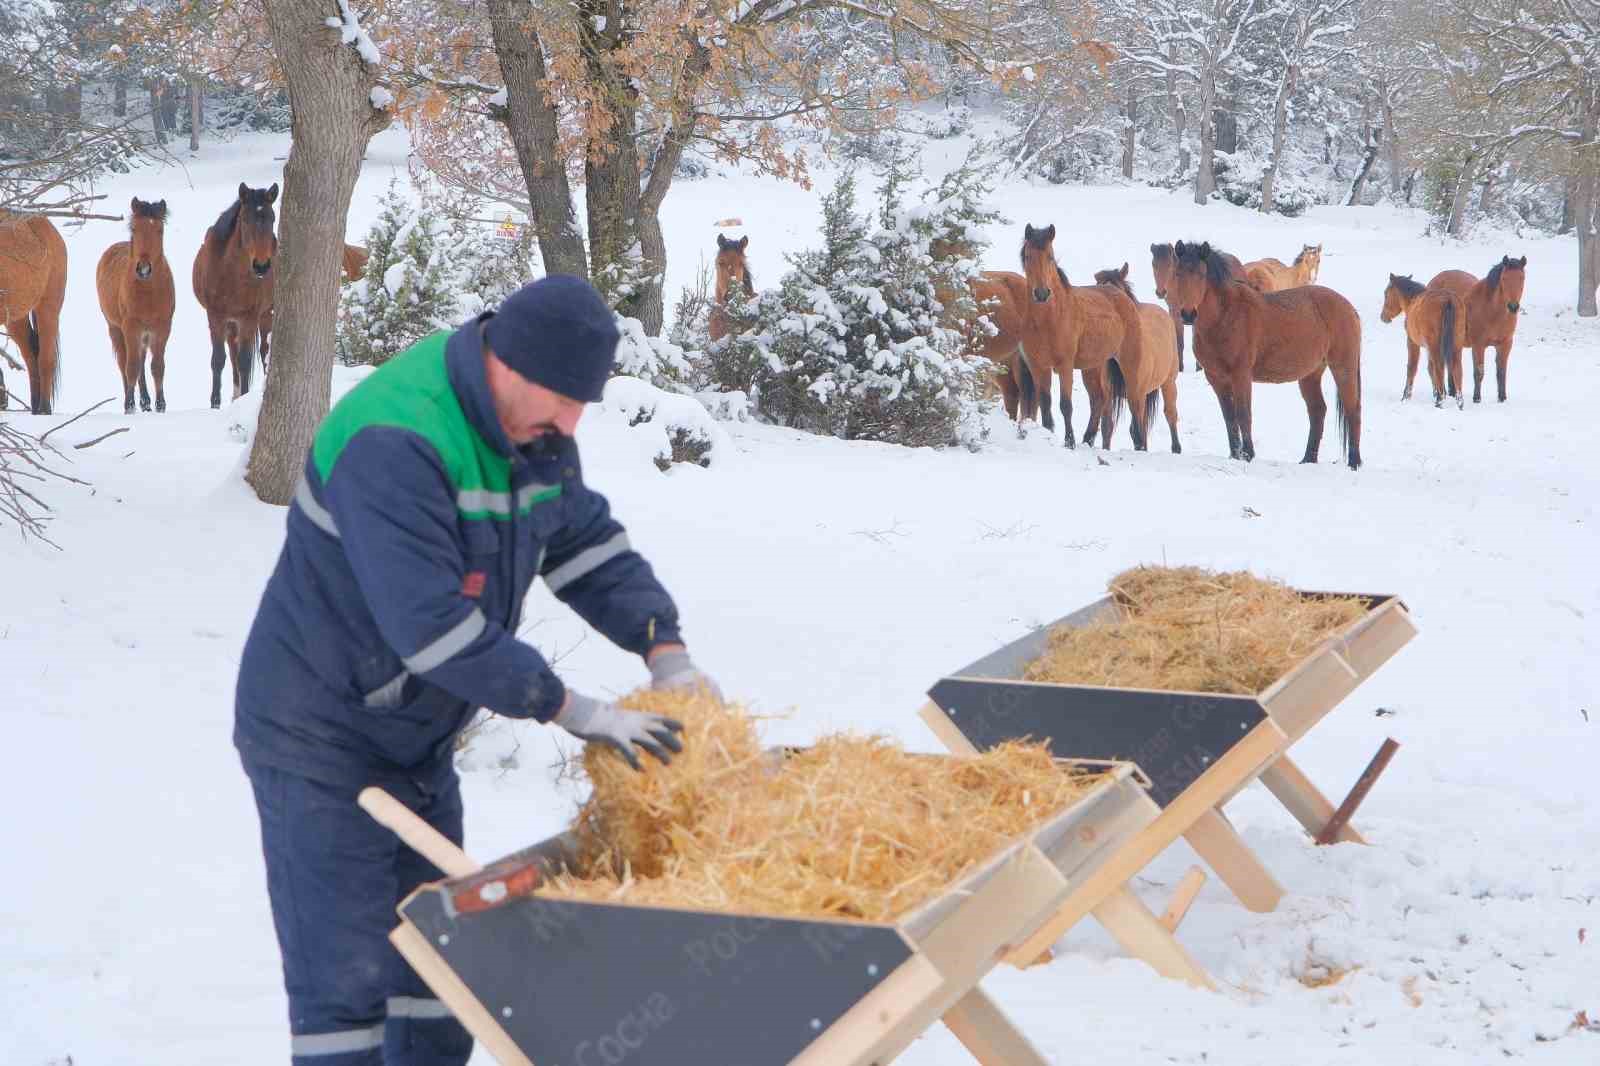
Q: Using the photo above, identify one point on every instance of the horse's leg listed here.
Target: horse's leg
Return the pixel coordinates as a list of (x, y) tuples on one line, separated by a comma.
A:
[(1347, 379), (20, 329), (1178, 329), (158, 368), (1169, 406), (1477, 373), (219, 358), (119, 348), (1041, 389), (1224, 390), (1436, 375), (1066, 408), (266, 335), (1316, 413), (1094, 383), (1502, 356), (142, 346), (1413, 353), (1241, 412), (47, 320)]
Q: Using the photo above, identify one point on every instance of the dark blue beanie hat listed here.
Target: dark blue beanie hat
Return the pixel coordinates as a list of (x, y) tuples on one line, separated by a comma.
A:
[(557, 332)]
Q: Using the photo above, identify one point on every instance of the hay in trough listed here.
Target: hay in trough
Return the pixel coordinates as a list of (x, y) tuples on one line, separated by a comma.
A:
[(1194, 630), (850, 827)]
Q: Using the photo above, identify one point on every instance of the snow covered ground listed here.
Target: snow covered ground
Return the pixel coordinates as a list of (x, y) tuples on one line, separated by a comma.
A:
[(836, 582)]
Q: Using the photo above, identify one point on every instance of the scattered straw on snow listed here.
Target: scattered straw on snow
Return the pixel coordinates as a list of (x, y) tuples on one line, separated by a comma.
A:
[(851, 827), (1194, 630)]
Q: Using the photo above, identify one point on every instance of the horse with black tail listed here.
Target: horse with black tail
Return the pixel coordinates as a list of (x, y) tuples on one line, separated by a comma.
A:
[(232, 280), (1145, 374)]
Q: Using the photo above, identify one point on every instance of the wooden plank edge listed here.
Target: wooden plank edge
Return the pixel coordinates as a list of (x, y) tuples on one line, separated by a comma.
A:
[(454, 993), (854, 1039), (1183, 898)]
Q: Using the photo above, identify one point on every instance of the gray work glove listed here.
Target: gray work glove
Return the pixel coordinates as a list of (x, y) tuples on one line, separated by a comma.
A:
[(676, 671), (596, 722)]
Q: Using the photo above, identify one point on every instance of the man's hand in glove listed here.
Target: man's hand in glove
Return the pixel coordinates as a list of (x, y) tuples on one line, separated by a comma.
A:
[(671, 668), (606, 723)]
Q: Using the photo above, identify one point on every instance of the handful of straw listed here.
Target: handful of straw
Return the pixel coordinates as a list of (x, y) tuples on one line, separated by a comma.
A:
[(1194, 630), (851, 827)]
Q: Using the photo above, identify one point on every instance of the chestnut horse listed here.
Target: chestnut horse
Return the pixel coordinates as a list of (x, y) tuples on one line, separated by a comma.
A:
[(1492, 307), (996, 331), (1161, 264), (1436, 320), (732, 269), (233, 282), (1271, 275), (355, 261), (1154, 374), (1249, 336), (137, 297), (1074, 326), (33, 286)]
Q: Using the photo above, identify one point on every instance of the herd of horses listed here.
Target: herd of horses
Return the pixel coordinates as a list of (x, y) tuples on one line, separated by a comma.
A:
[(1258, 322), (232, 280)]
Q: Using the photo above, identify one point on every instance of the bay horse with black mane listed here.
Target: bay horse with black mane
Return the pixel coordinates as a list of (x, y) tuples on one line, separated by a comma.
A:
[(732, 269), (1492, 306), (137, 296), (1139, 379), (1249, 336), (1073, 326), (1437, 320), (233, 282), (1162, 263), (33, 286)]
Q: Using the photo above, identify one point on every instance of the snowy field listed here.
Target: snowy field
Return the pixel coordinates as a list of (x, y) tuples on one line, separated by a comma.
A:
[(838, 581)]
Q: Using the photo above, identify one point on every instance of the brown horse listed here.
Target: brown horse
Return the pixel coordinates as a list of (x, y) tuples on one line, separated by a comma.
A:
[(1272, 275), (33, 286), (732, 269), (1492, 306), (355, 261), (1248, 336), (1436, 320), (1161, 266), (1155, 373), (137, 297), (1070, 326), (996, 331), (233, 282)]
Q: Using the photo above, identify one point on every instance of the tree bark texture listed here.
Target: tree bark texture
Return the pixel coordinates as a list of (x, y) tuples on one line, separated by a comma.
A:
[(1130, 132), (332, 121), (155, 112), (119, 106), (1369, 156), (1391, 140), (1586, 208), (196, 112), (1205, 178), (1463, 195), (1280, 136), (1180, 116), (611, 167), (532, 121)]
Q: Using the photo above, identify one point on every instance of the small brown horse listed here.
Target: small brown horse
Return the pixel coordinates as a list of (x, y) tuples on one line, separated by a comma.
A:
[(1002, 302), (1074, 326), (233, 282), (33, 286), (1436, 320), (137, 297), (732, 269), (1154, 374), (1249, 336), (1492, 305), (355, 261), (1272, 275), (1162, 263)]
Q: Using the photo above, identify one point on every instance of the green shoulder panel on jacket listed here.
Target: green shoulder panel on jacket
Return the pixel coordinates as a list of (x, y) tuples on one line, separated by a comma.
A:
[(412, 391)]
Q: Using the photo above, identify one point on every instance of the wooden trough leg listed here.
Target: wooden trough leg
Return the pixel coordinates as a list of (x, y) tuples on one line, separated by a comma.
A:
[(453, 992), (1219, 845), (1142, 935), (1183, 898), (1302, 799), (988, 1035), (1358, 792)]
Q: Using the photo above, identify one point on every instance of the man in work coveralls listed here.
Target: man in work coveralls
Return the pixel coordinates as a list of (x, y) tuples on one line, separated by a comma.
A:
[(433, 495)]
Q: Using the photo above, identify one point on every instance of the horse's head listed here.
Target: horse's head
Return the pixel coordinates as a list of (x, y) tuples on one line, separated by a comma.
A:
[(1309, 261), (731, 266), (1039, 260), (1395, 296), (256, 221), (1117, 279), (1507, 277), (1195, 267), (1161, 264), (146, 225)]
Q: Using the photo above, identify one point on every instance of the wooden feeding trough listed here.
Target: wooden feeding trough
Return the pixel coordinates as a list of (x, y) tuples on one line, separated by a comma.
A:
[(1198, 750), (559, 982)]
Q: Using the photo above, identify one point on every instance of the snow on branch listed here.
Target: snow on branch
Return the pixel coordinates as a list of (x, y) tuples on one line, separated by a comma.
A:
[(351, 32)]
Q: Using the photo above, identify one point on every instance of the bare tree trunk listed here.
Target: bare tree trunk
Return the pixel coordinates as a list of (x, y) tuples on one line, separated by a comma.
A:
[(1569, 189), (1130, 133), (119, 96), (1280, 135), (1463, 195), (1391, 138), (196, 112), (1180, 116), (611, 170), (1368, 157), (532, 121), (155, 111), (1205, 178), (1226, 119), (1587, 208), (1486, 193), (333, 118)]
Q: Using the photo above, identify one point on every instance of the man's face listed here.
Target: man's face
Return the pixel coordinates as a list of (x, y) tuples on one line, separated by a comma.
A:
[(528, 411)]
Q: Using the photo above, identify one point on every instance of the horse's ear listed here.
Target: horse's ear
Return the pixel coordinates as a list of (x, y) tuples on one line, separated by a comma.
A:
[(722, 242), (133, 205), (1522, 262), (1124, 270), (1205, 250), (272, 193), (244, 190), (1027, 231), (1154, 248), (744, 242), (1177, 249), (1050, 232)]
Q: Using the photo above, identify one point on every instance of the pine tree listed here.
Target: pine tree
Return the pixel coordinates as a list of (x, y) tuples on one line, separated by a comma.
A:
[(410, 287)]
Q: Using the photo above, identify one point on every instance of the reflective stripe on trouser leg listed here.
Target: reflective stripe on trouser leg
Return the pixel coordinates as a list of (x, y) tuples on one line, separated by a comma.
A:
[(323, 1047)]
